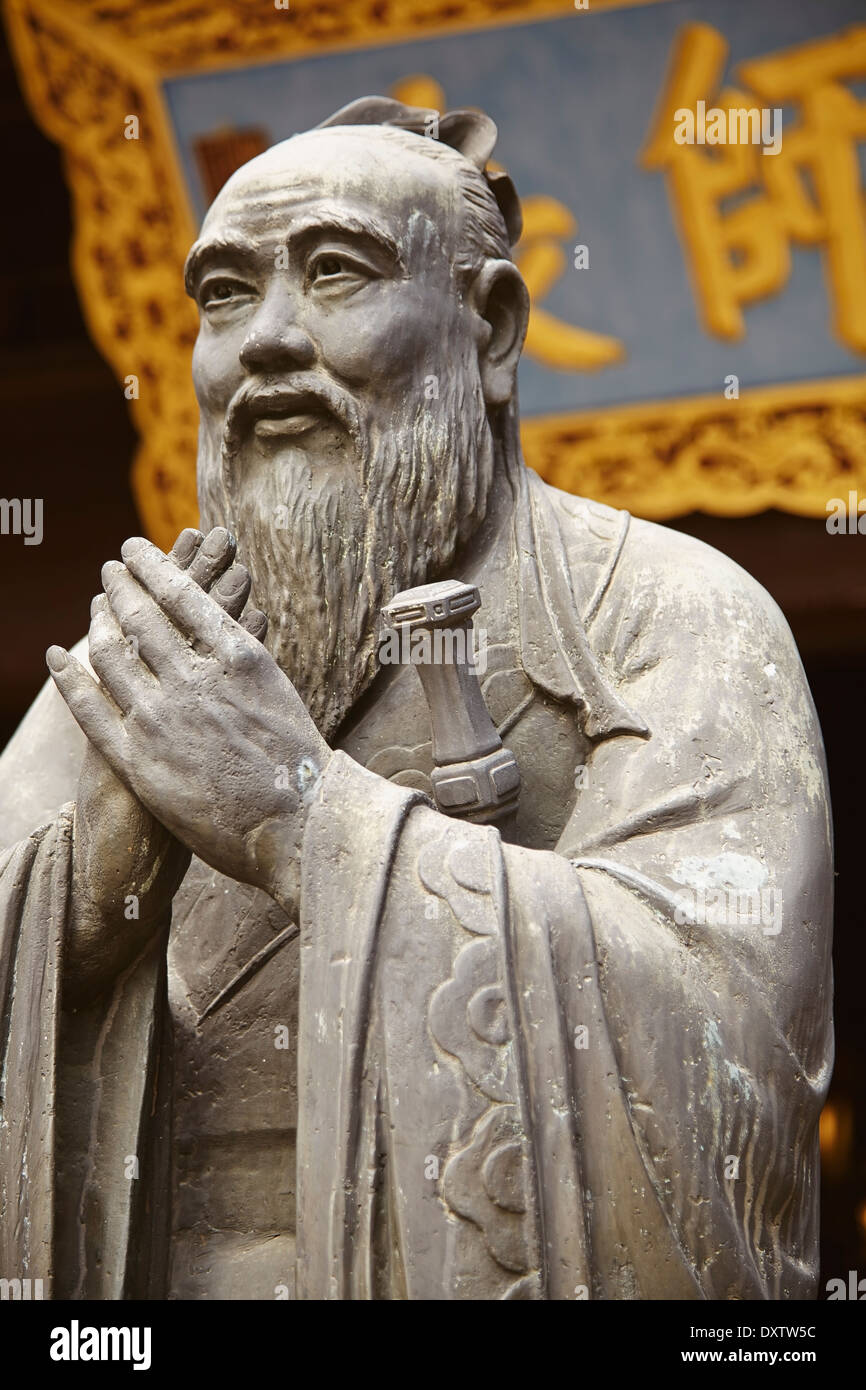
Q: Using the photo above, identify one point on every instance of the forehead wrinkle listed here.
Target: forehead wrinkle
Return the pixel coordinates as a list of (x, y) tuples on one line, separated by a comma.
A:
[(253, 188), (270, 188)]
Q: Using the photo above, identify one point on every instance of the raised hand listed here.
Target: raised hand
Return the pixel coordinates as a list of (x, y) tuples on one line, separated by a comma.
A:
[(126, 865), (200, 722)]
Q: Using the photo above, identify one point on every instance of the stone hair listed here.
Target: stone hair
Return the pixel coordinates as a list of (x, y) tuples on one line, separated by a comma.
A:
[(485, 236)]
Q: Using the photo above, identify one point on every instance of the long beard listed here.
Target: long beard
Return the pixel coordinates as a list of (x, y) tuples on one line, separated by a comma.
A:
[(325, 553)]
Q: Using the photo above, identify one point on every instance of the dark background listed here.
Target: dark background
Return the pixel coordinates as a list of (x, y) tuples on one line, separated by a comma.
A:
[(66, 437)]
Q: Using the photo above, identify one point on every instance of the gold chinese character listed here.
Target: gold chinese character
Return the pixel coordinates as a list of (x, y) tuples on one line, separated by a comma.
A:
[(808, 191)]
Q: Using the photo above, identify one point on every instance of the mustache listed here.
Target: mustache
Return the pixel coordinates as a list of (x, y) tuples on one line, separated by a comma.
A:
[(261, 397)]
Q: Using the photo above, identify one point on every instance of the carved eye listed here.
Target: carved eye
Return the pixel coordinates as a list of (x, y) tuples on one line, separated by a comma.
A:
[(338, 273), (329, 266), (216, 292)]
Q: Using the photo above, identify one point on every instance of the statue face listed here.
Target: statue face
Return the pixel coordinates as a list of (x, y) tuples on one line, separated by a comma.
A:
[(327, 259), (344, 434)]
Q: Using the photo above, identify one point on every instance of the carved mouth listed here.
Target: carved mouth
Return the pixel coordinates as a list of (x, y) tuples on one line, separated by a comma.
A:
[(286, 409), (282, 412)]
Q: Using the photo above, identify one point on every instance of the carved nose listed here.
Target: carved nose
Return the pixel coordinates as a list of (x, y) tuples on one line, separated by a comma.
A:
[(277, 346)]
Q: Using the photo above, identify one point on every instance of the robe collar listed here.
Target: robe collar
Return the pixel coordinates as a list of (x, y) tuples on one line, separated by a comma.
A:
[(553, 644)]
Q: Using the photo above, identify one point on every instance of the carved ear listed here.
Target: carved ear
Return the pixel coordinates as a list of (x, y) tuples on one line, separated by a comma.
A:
[(500, 297)]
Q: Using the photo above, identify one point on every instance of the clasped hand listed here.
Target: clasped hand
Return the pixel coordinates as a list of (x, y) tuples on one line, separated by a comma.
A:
[(196, 718)]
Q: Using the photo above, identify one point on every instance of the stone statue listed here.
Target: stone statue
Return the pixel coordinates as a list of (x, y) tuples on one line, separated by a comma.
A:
[(325, 975)]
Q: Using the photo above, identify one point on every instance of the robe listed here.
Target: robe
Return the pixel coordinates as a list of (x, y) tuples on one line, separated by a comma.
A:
[(579, 1055)]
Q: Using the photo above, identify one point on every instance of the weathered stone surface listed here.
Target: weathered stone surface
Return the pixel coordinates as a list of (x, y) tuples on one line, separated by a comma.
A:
[(282, 1016)]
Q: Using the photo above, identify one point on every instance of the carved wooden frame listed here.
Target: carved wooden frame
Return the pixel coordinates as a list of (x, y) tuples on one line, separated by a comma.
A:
[(86, 66)]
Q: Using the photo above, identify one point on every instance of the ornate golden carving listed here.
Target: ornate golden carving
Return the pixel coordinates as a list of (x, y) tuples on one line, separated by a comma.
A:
[(86, 66), (132, 222), (790, 447), (181, 36)]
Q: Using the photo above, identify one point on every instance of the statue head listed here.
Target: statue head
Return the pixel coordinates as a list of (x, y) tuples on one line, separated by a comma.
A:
[(361, 325)]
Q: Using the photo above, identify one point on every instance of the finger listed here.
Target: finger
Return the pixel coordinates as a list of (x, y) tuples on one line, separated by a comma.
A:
[(232, 590), (116, 660), (97, 604), (90, 706), (142, 623), (186, 547), (256, 623), (214, 557), (178, 595)]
